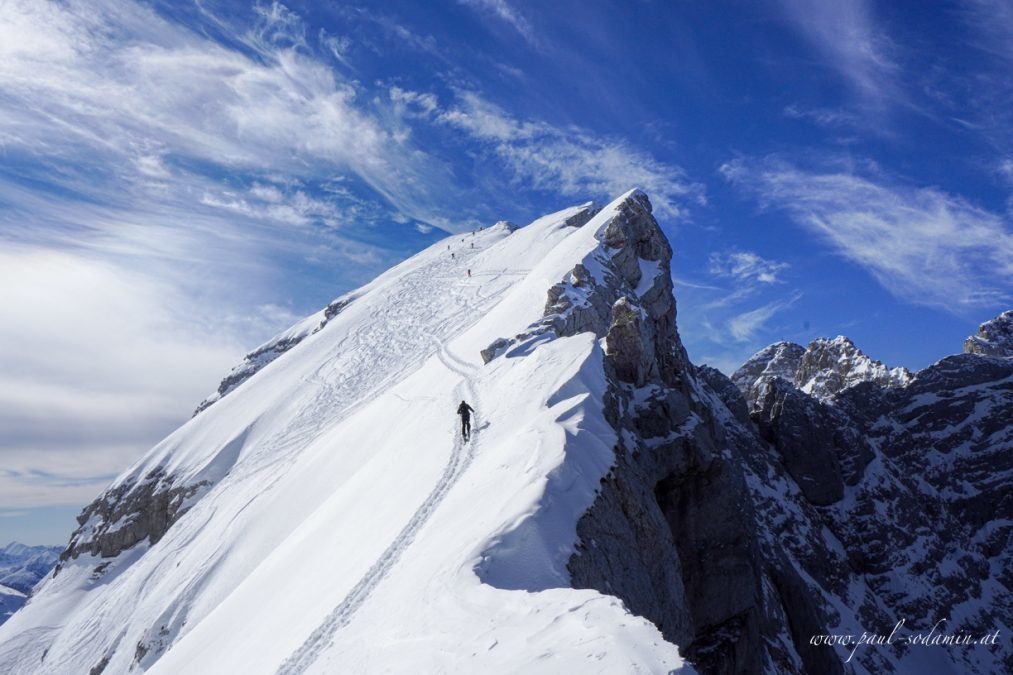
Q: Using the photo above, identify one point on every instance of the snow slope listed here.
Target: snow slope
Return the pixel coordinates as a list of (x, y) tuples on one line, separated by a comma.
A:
[(339, 519), (21, 567), (11, 600)]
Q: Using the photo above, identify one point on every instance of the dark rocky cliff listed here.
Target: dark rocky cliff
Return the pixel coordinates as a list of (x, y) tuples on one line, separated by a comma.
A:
[(743, 527)]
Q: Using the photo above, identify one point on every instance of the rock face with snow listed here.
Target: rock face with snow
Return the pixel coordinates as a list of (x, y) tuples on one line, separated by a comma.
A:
[(654, 512), (129, 513), (822, 369), (830, 366), (781, 359), (994, 337), (275, 347), (936, 456)]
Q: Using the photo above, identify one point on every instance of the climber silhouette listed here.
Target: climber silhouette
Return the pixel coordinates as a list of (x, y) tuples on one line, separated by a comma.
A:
[(465, 410)]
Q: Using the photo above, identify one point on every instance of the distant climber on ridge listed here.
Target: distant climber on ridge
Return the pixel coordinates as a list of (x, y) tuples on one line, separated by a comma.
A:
[(465, 410)]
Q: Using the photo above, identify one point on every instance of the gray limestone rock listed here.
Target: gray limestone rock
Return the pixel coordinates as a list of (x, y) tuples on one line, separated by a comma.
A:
[(799, 429), (732, 533), (830, 366), (780, 359), (824, 368), (994, 337), (624, 343), (256, 360), (127, 514)]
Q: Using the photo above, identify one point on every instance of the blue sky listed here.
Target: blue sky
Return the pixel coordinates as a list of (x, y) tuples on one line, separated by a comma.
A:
[(179, 181)]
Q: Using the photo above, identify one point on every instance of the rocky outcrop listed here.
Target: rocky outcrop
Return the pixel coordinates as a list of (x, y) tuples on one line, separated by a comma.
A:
[(670, 531), (128, 514), (780, 359), (745, 520), (830, 366), (824, 368), (994, 337), (256, 360), (921, 525), (798, 428)]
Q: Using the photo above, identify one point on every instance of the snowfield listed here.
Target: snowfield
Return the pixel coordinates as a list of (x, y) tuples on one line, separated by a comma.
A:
[(347, 527)]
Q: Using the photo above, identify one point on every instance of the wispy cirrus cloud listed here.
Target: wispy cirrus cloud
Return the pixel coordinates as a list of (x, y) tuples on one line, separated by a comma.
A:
[(746, 267), (98, 360), (112, 83), (734, 312), (984, 102), (506, 12), (745, 326), (155, 182), (570, 160), (923, 245), (992, 21), (849, 40)]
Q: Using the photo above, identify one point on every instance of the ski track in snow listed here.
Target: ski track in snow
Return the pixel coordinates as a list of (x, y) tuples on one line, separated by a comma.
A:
[(322, 638), (369, 360), (396, 340)]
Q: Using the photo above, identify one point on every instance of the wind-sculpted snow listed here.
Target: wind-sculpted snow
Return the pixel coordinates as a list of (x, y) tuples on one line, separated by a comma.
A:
[(615, 501), (337, 523)]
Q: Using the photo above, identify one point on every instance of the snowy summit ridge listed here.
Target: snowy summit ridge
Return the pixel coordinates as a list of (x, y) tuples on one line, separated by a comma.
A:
[(324, 482), (618, 509)]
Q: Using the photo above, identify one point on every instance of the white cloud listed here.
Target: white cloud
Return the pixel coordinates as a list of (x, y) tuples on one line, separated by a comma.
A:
[(278, 25), (847, 36), (422, 103), (824, 117), (337, 45), (746, 267), (571, 160), (923, 245), (1006, 169), (107, 82), (99, 362), (744, 326), (506, 12)]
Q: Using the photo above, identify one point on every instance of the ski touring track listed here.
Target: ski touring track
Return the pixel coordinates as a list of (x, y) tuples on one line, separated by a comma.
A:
[(364, 362), (369, 359), (461, 455)]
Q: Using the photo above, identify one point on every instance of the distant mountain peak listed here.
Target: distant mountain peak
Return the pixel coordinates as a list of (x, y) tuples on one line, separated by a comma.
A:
[(824, 368), (994, 337), (327, 515), (831, 365), (21, 568)]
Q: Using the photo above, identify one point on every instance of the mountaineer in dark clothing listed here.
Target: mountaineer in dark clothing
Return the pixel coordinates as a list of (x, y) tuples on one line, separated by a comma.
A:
[(465, 410)]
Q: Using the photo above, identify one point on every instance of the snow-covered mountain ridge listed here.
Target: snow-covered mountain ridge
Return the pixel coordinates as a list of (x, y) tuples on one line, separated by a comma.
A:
[(934, 451), (618, 509), (994, 337), (824, 368), (329, 488), (21, 567)]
